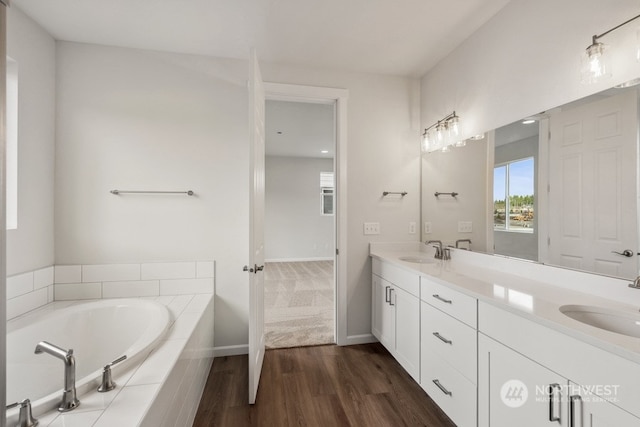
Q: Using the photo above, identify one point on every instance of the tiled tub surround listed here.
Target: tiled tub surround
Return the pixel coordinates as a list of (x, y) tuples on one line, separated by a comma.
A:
[(163, 390), (74, 282), (28, 291)]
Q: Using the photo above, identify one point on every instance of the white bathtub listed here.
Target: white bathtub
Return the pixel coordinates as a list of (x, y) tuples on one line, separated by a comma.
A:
[(98, 332)]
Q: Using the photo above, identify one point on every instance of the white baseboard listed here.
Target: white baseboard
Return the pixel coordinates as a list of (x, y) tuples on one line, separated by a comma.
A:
[(231, 350), (298, 259), (360, 339)]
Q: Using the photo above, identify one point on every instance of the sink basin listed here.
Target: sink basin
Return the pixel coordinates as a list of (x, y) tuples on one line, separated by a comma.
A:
[(624, 323), (417, 259)]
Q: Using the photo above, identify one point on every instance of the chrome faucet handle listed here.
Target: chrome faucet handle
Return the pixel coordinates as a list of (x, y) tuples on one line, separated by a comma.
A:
[(25, 419), (107, 383), (635, 284), (446, 254)]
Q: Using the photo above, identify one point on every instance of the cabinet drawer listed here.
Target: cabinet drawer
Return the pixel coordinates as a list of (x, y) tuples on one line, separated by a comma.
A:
[(457, 398), (455, 342), (461, 306), (403, 279)]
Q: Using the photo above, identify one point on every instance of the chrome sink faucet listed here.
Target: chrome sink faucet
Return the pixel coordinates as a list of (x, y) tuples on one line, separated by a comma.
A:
[(439, 252), (635, 284), (69, 399)]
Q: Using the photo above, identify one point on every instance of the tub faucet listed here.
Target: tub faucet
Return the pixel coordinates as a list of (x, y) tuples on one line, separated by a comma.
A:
[(439, 252), (69, 399), (635, 284)]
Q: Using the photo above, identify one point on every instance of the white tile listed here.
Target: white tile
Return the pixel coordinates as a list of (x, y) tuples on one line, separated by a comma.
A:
[(168, 270), (68, 291), (186, 286), (76, 419), (178, 304), (129, 406), (94, 401), (165, 299), (198, 303), (43, 277), (67, 274), (205, 269), (19, 285), (110, 272), (136, 288), (26, 302), (184, 326), (46, 419), (50, 297), (159, 363)]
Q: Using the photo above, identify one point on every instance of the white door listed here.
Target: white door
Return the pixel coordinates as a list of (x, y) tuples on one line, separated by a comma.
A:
[(592, 210), (256, 229)]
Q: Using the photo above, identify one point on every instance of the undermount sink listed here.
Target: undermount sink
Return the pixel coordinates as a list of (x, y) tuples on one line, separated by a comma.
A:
[(417, 259), (611, 320)]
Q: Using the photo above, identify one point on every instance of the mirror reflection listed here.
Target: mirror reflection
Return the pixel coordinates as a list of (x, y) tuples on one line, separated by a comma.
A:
[(560, 187)]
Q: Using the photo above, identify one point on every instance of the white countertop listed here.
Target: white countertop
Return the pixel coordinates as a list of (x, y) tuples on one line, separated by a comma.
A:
[(531, 297)]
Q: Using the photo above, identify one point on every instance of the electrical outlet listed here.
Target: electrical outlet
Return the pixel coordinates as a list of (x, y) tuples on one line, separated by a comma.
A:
[(465, 227), (412, 227), (371, 228), (427, 227)]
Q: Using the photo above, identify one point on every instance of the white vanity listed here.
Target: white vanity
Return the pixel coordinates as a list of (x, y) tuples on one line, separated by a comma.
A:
[(488, 338)]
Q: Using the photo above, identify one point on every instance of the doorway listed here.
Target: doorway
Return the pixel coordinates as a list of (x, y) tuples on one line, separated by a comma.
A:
[(300, 225)]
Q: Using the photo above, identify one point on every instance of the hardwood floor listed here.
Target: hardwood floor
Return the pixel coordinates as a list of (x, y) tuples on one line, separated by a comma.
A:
[(318, 386)]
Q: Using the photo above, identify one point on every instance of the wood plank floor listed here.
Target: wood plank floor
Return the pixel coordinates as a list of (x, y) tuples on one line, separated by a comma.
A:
[(328, 385)]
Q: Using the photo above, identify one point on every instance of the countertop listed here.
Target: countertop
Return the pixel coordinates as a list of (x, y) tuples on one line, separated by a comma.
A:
[(530, 298)]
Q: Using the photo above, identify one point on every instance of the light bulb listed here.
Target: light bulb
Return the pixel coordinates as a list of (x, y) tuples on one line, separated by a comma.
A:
[(595, 64), (454, 127), (426, 142)]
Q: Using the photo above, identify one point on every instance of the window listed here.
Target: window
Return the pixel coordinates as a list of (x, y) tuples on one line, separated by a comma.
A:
[(326, 193), (513, 196), (12, 144)]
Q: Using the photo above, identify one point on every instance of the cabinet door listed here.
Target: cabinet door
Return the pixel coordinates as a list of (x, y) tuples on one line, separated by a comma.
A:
[(516, 391), (588, 410), (407, 331), (382, 312)]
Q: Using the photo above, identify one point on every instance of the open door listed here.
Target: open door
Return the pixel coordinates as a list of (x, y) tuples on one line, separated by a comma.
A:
[(256, 228)]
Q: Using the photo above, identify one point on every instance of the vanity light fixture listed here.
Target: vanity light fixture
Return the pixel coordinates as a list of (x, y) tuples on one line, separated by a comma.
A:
[(596, 63), (442, 134)]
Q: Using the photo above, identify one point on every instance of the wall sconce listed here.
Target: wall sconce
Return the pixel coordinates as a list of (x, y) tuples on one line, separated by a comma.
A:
[(596, 61), (442, 134)]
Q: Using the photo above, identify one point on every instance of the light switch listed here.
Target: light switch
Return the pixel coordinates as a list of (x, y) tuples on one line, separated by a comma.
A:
[(465, 227), (371, 228)]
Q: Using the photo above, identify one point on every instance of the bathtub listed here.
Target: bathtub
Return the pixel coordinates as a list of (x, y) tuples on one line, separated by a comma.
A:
[(98, 332)]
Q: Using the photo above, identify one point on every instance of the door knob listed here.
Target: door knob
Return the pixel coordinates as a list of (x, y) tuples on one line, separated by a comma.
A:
[(246, 268), (627, 252)]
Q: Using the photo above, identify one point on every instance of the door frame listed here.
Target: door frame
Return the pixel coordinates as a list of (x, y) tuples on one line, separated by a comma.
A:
[(299, 93)]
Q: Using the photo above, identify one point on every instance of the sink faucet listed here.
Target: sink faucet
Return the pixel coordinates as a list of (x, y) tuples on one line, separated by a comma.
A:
[(635, 284), (69, 399), (463, 241), (439, 252)]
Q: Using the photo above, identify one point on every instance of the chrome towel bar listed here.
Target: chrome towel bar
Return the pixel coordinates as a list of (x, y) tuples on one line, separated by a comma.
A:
[(188, 193)]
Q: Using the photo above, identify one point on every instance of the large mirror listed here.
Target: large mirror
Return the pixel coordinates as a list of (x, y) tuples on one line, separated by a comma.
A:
[(560, 187)]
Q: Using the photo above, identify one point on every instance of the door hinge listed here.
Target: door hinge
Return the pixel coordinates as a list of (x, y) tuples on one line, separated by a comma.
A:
[(337, 251), (548, 241)]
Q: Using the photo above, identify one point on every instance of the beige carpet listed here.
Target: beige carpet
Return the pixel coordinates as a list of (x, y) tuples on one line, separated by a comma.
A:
[(298, 303)]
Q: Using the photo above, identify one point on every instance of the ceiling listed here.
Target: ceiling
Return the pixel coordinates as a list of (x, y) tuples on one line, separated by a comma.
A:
[(296, 129), (405, 37)]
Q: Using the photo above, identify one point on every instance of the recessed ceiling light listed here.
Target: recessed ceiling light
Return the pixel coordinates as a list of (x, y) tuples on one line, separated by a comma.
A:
[(528, 121), (324, 151)]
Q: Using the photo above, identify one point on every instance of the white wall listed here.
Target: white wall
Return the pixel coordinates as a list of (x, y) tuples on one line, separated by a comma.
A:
[(142, 120), (526, 60), (294, 226), (135, 119), (456, 171), (31, 246)]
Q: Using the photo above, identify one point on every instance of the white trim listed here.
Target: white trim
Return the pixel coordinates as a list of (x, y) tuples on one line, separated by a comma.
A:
[(287, 92), (231, 350), (360, 339), (299, 259)]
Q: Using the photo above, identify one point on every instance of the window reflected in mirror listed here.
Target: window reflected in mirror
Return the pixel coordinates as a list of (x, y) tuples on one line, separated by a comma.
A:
[(514, 196)]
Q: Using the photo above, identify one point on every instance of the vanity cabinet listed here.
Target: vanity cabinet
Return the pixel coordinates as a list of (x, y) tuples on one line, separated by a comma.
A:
[(395, 314), (448, 360), (530, 375)]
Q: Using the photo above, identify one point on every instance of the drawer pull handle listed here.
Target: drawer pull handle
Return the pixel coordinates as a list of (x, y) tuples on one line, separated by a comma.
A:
[(575, 413), (554, 402), (441, 387), (386, 293), (438, 297), (390, 298), (441, 338)]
